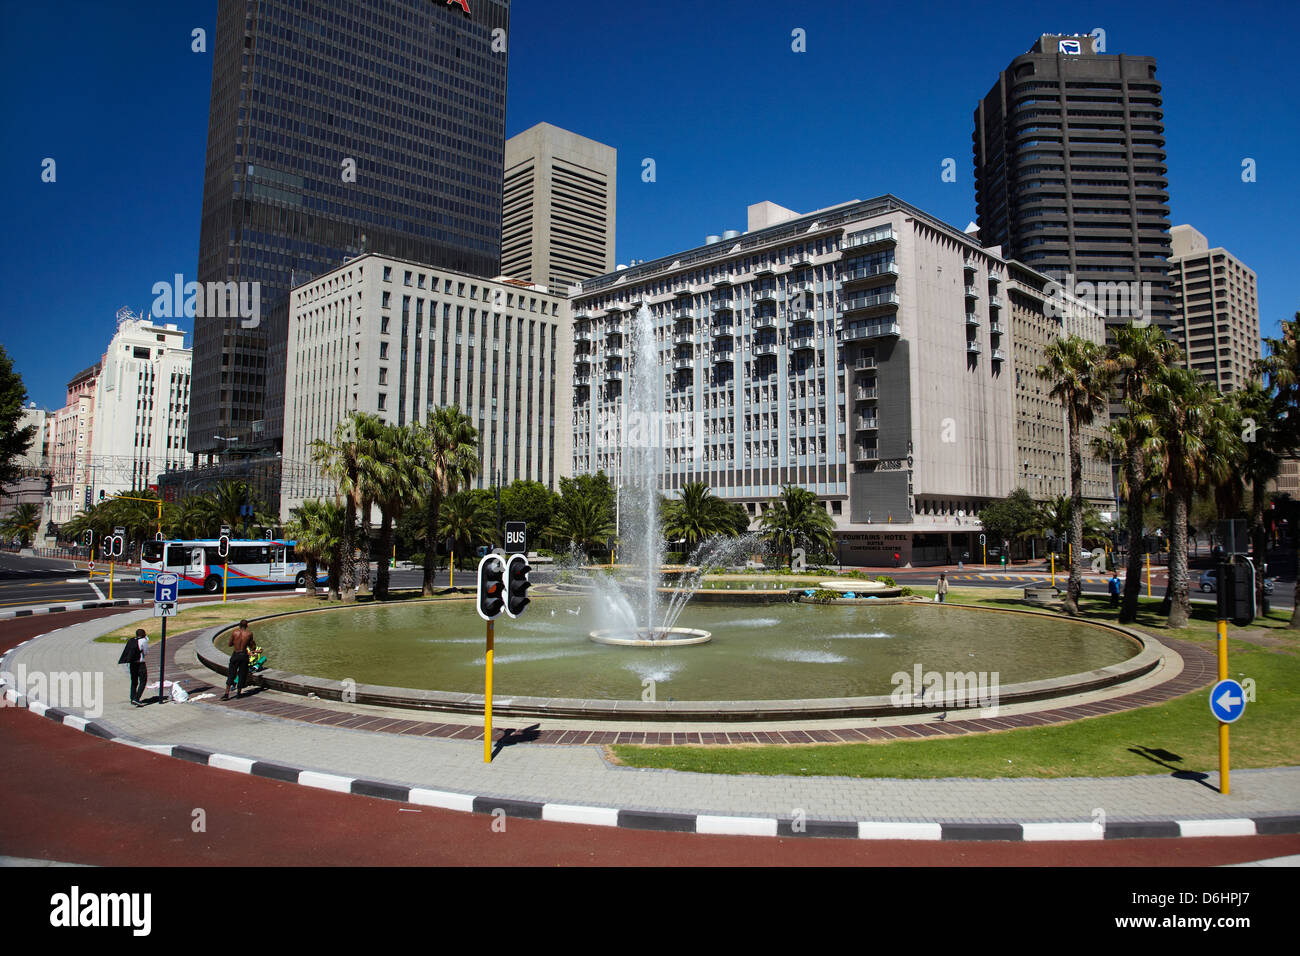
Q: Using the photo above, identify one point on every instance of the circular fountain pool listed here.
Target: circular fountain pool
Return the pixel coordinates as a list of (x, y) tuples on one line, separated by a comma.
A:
[(773, 653)]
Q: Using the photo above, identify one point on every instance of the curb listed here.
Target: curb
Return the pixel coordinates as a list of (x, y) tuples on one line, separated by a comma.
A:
[(56, 608), (725, 825)]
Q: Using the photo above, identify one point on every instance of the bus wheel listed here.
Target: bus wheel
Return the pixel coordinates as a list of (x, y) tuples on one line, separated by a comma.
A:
[(212, 585), (301, 580)]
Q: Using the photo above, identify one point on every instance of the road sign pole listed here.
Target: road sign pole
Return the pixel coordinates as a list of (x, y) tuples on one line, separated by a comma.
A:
[(225, 576), (487, 696), (1053, 569), (162, 664), (110, 580), (1224, 786), (452, 567), (1148, 574)]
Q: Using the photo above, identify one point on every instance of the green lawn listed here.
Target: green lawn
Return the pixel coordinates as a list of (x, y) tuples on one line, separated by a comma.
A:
[(1178, 735)]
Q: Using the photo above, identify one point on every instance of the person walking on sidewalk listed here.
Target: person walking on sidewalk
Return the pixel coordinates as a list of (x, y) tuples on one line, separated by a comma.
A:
[(1113, 586), (941, 588), (133, 656), (241, 642)]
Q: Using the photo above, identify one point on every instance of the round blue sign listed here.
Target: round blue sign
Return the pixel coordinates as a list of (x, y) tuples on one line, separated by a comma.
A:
[(1227, 701)]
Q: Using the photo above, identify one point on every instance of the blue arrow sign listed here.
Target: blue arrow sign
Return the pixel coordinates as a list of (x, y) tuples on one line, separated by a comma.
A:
[(1227, 701)]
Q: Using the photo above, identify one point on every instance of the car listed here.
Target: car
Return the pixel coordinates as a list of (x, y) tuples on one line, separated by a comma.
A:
[(1210, 578)]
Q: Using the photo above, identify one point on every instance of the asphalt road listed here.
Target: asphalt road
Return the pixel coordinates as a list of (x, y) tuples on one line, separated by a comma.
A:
[(75, 798), (25, 581)]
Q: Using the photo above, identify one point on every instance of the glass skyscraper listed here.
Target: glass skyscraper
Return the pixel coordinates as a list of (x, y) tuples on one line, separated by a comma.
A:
[(338, 127)]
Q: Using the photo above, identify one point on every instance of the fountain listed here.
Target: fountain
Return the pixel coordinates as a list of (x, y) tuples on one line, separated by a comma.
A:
[(633, 608)]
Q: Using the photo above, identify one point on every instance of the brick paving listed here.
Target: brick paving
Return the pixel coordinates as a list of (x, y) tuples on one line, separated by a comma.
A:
[(391, 746)]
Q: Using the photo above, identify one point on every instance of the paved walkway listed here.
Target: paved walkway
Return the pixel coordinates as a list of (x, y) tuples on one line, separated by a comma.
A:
[(577, 783)]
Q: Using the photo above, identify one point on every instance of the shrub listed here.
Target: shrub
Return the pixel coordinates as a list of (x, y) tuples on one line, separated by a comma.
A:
[(885, 579), (906, 591), (825, 595)]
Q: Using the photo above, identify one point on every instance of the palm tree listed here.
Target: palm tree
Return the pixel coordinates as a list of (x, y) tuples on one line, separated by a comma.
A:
[(23, 522), (583, 520), (466, 519), (401, 473), (338, 461), (1081, 385), (372, 472), (317, 528), (1281, 370), (452, 460), (696, 515), (1195, 446), (797, 519), (1135, 361)]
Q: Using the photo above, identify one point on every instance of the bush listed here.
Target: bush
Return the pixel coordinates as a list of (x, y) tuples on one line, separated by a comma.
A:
[(545, 553), (826, 595), (674, 557), (886, 580), (906, 591)]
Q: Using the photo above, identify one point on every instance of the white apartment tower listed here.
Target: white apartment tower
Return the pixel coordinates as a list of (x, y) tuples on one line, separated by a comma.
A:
[(398, 339), (558, 207), (142, 407)]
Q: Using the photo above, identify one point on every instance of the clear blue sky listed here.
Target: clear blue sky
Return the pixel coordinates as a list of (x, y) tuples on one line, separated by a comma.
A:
[(711, 91)]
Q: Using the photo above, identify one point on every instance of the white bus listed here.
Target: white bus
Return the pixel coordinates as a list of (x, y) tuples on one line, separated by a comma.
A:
[(200, 567)]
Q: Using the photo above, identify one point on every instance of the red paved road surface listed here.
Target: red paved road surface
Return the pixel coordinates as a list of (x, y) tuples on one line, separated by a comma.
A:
[(71, 797)]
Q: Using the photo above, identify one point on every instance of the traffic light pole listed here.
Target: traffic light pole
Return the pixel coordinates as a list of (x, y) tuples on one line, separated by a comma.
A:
[(487, 696)]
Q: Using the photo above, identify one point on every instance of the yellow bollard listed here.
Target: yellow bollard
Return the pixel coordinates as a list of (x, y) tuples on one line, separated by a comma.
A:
[(1223, 728), (110, 580), (1053, 569), (453, 569), (225, 576), (1148, 575)]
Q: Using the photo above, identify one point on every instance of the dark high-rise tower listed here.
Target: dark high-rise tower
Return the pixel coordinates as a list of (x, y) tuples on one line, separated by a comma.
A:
[(1070, 172), (336, 127)]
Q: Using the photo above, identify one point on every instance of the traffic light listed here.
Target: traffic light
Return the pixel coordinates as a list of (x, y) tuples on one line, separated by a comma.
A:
[(491, 587), (517, 584), (89, 538)]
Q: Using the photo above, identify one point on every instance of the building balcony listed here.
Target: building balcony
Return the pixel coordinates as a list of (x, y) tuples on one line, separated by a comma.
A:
[(803, 343), (973, 348), (683, 338), (800, 261), (972, 320), (765, 320), (614, 375), (722, 305), (800, 315), (865, 273), (995, 276), (722, 330), (582, 315), (972, 292), (614, 328), (635, 302), (764, 270), (722, 280), (995, 328), (614, 353), (581, 380), (614, 309), (869, 238), (582, 337), (869, 330), (995, 302), (864, 423), (864, 364), (997, 356), (765, 295), (680, 313), (765, 348), (582, 360), (723, 356), (866, 394), (801, 286), (682, 364), (969, 264), (866, 454), (863, 303)]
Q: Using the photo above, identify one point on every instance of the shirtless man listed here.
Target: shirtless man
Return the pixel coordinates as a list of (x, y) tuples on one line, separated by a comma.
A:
[(241, 642)]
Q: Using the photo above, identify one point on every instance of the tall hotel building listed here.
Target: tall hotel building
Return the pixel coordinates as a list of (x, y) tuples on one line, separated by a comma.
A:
[(558, 207), (1070, 173), (866, 352), (397, 338), (337, 128), (1216, 311)]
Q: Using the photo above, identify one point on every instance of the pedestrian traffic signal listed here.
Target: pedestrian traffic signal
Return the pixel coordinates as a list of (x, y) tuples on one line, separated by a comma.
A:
[(491, 587), (517, 584), (89, 538), (223, 545)]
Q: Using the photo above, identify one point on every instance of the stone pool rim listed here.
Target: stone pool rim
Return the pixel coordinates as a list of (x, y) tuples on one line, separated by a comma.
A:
[(1151, 655)]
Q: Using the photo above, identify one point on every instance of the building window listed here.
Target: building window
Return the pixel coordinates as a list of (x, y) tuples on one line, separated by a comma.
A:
[(382, 401)]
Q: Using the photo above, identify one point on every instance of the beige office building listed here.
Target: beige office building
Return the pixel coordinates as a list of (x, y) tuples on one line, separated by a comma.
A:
[(70, 451), (558, 207), (1216, 309), (398, 338), (1041, 312), (863, 351)]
